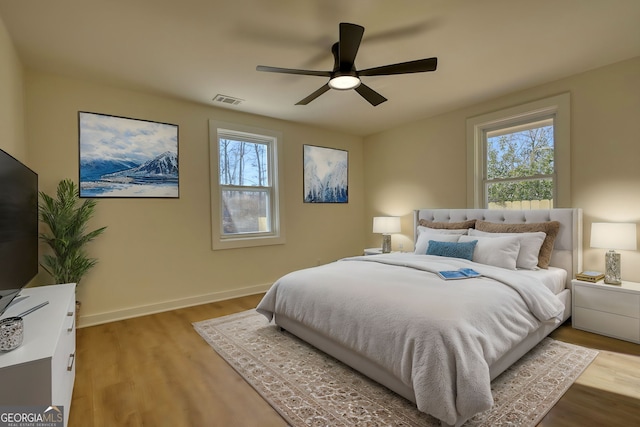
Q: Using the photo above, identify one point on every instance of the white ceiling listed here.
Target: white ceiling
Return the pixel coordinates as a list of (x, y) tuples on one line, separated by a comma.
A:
[(195, 49)]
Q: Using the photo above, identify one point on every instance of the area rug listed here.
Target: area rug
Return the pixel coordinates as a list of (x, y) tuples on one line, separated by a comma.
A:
[(310, 388)]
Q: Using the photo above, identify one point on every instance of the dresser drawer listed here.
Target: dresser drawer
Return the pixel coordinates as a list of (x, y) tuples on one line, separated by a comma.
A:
[(608, 301), (63, 365), (613, 325)]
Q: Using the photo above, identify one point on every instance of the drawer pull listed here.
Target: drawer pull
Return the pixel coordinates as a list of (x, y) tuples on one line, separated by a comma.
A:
[(73, 321), (70, 313), (72, 359)]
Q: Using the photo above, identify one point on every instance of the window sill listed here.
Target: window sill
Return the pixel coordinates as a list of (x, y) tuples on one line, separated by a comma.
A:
[(247, 242)]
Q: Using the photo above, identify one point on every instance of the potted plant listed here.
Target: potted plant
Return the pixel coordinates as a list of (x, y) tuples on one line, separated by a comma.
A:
[(67, 220)]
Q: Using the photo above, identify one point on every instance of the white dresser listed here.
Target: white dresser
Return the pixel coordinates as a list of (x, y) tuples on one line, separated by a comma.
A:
[(612, 310), (42, 370)]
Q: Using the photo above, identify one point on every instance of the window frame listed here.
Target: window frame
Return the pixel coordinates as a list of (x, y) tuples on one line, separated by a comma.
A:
[(275, 189), (556, 107)]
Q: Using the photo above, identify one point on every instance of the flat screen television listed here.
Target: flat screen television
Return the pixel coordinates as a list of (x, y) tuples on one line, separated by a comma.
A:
[(18, 227)]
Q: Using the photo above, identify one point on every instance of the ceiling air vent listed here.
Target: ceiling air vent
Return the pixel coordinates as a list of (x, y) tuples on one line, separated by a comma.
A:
[(229, 100)]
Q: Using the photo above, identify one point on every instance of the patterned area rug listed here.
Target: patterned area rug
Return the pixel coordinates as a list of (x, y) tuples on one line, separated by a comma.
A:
[(310, 388)]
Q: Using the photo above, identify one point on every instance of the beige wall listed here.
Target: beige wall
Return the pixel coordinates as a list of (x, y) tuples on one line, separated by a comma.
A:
[(423, 164), (156, 253), (12, 116)]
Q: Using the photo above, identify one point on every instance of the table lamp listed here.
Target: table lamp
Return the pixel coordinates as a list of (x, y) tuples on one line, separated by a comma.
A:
[(621, 236), (386, 225)]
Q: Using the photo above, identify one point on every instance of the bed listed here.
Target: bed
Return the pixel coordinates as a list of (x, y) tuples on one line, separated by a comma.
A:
[(438, 343)]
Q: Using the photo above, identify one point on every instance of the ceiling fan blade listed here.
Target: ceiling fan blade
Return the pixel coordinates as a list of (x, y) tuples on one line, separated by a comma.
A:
[(314, 95), (370, 95), (293, 71), (350, 38), (419, 66)]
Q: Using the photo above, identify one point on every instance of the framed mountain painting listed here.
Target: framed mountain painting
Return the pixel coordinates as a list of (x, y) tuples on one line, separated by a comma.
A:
[(123, 157), (326, 175)]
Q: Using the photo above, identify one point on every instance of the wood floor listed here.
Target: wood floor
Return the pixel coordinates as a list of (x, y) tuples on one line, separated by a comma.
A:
[(157, 371)]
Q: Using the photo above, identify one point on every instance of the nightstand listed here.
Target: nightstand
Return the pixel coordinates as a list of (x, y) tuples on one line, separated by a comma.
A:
[(610, 310)]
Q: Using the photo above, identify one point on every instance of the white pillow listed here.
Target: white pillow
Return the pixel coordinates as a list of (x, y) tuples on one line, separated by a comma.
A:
[(530, 244), (423, 240), (497, 251), (458, 232)]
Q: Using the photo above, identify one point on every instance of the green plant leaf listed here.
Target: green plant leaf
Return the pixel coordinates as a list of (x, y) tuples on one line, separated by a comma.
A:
[(67, 217)]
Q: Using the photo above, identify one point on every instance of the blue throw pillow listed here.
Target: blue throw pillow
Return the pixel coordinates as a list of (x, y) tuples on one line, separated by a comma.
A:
[(452, 249)]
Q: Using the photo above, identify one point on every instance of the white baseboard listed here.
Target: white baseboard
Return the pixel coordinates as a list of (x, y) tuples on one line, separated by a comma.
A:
[(143, 310)]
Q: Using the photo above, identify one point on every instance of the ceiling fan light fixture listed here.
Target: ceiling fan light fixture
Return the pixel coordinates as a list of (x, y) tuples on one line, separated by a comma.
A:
[(344, 82), (345, 76)]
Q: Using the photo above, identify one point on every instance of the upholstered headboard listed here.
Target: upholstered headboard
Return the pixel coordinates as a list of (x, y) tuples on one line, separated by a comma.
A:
[(567, 250)]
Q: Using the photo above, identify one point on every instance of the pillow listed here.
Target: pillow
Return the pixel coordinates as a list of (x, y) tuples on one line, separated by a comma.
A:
[(448, 225), (422, 229), (497, 251), (423, 240), (551, 229), (454, 250), (530, 244)]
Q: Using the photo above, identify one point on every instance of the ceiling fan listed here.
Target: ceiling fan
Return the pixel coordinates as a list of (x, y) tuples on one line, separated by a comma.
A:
[(344, 75)]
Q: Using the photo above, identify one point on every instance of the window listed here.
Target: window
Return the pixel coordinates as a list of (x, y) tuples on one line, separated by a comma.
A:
[(519, 166), (246, 187), (518, 158)]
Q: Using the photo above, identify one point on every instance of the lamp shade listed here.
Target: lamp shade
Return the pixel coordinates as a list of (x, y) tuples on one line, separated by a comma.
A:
[(621, 236), (386, 224)]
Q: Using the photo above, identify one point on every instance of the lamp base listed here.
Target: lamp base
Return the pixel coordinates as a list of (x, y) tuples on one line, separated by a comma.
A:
[(612, 268), (386, 243)]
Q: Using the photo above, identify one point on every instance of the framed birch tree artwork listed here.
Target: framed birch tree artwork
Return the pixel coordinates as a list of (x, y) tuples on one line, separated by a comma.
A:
[(326, 175), (124, 157)]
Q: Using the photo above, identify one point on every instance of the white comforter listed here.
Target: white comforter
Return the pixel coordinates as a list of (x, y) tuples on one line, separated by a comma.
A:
[(438, 337)]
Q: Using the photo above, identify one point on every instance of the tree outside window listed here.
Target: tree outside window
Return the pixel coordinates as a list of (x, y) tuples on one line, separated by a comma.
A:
[(245, 186), (520, 165)]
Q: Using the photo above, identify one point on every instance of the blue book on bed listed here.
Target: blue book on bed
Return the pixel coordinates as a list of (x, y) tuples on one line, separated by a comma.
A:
[(463, 273)]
